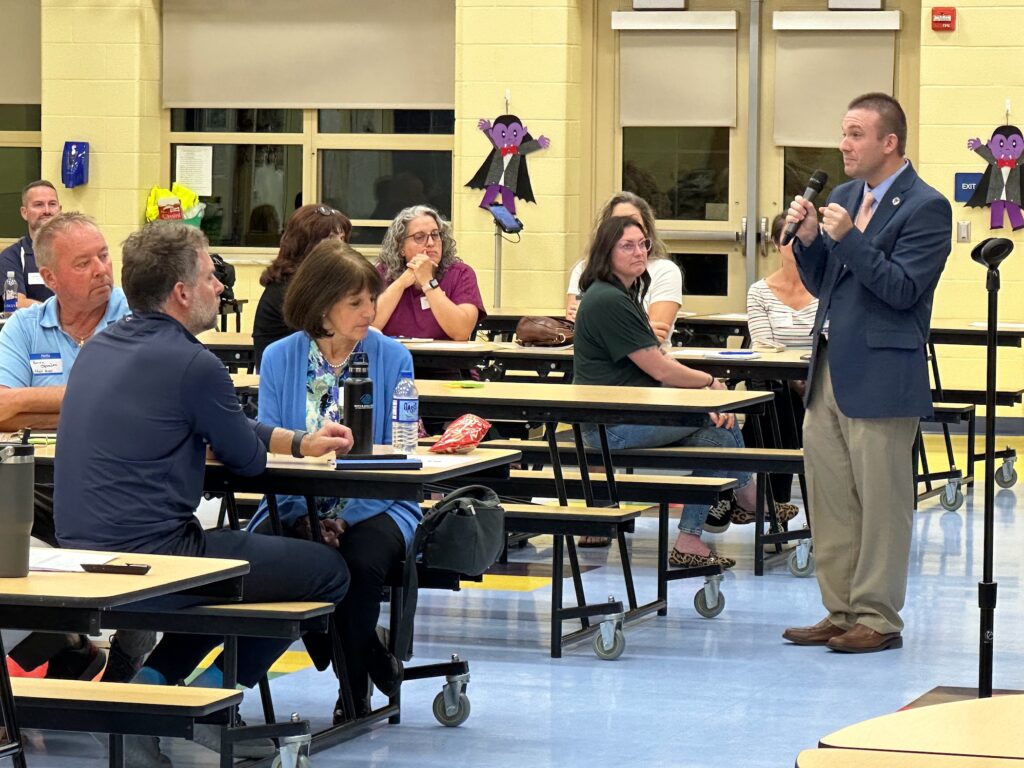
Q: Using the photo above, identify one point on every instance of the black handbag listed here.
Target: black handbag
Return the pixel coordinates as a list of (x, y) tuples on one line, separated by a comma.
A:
[(463, 533)]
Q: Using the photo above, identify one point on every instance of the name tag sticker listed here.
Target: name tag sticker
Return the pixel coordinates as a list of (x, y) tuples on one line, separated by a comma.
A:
[(424, 302), (45, 363), (34, 278)]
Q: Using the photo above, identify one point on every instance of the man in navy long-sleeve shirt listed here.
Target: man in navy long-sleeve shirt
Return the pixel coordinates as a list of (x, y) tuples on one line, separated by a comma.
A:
[(143, 403)]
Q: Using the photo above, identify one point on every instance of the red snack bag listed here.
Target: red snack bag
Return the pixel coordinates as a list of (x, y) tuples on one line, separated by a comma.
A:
[(462, 436)]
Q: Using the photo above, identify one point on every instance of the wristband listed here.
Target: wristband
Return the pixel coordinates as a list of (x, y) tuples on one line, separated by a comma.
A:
[(711, 382), (297, 436)]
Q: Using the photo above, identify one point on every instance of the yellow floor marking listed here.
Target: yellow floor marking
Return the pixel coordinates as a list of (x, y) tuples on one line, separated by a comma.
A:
[(508, 583), (290, 661)]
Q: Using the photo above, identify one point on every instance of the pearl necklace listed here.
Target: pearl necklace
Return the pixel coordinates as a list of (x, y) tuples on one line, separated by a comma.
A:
[(336, 367)]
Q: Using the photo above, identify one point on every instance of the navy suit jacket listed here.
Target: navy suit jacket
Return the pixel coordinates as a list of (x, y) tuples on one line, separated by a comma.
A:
[(876, 288)]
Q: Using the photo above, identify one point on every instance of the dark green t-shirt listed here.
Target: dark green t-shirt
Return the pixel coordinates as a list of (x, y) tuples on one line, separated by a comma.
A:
[(609, 327)]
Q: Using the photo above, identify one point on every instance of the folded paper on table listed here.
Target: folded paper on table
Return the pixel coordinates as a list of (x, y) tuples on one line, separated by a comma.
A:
[(732, 354), (63, 562), (1000, 326)]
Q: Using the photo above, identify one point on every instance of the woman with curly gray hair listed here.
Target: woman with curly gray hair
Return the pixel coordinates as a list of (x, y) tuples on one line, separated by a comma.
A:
[(430, 292)]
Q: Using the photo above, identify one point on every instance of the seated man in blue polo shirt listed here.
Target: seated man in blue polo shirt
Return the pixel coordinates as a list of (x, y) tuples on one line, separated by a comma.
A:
[(39, 344), (144, 404), (39, 204)]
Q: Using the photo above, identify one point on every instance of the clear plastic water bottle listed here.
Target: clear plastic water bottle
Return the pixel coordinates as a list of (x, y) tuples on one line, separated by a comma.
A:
[(10, 295), (405, 416)]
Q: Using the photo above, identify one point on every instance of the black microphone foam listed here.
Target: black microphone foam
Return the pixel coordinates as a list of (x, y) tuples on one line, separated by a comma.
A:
[(816, 183)]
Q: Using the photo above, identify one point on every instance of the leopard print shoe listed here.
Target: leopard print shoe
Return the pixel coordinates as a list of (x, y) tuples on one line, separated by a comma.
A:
[(785, 513), (678, 559)]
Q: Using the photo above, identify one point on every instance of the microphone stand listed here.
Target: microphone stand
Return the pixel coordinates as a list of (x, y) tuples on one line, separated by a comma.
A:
[(990, 253)]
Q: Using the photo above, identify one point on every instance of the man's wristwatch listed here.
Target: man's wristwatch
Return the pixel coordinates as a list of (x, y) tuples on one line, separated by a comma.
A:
[(430, 285), (297, 436)]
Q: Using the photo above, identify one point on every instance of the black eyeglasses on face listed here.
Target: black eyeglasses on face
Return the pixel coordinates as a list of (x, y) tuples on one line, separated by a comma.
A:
[(421, 238)]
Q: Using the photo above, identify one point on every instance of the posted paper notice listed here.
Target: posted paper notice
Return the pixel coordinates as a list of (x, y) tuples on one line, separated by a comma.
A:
[(193, 168)]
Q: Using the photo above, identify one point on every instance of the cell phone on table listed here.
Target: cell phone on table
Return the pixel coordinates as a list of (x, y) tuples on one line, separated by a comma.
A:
[(505, 219), (127, 569)]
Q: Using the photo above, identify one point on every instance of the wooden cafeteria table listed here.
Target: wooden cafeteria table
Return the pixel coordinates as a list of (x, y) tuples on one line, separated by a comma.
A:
[(315, 477), (499, 357), (579, 404), (870, 758), (77, 603), (235, 350), (975, 728), (318, 477)]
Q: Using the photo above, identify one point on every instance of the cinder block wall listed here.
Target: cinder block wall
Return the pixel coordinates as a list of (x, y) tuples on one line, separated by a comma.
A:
[(966, 77), (101, 84), (533, 49)]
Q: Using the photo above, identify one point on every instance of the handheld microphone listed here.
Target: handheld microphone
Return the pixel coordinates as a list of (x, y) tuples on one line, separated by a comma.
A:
[(816, 183)]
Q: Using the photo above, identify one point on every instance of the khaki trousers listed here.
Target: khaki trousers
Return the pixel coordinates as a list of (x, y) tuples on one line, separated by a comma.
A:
[(860, 480)]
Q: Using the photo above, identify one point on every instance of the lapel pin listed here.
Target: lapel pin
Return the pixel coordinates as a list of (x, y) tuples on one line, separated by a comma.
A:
[(895, 201)]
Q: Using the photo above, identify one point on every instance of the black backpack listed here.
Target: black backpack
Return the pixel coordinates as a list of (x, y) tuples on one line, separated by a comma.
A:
[(226, 274), (463, 533)]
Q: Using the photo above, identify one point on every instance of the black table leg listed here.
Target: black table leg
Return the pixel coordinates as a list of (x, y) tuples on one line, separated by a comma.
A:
[(15, 749)]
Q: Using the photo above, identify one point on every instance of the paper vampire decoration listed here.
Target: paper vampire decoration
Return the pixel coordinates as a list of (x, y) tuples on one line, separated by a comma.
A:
[(504, 170), (1000, 186)]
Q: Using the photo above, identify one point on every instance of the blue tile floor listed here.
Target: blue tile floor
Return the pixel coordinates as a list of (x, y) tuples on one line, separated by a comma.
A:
[(688, 691)]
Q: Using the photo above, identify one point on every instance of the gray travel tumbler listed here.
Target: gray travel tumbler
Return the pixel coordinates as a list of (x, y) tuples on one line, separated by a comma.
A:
[(17, 475)]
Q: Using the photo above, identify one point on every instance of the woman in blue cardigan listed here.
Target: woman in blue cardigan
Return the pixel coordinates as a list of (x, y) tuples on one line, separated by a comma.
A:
[(332, 300)]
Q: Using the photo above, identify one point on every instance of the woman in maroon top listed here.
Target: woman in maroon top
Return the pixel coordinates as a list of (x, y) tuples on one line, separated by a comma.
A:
[(430, 292)]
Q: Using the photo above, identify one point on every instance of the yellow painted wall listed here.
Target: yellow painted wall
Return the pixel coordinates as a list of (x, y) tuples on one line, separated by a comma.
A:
[(101, 84), (966, 77), (532, 48), (101, 65)]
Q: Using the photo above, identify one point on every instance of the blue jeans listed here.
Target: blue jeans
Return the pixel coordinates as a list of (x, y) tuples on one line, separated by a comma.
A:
[(622, 436)]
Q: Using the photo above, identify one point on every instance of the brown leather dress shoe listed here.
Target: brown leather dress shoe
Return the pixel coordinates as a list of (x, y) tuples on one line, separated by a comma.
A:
[(862, 639), (820, 634)]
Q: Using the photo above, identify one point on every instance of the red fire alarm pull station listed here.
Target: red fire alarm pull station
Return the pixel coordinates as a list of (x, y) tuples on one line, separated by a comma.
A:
[(943, 19)]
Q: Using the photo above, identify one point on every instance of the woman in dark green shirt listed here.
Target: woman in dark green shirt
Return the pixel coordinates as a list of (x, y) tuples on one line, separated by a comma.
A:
[(615, 345)]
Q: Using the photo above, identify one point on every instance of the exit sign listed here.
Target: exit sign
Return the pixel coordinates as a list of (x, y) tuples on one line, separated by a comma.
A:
[(964, 185)]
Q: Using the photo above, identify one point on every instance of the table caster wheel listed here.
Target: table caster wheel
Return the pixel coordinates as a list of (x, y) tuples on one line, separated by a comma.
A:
[(800, 566), (700, 603), (951, 501), (302, 761), (451, 717), (1006, 476), (613, 651)]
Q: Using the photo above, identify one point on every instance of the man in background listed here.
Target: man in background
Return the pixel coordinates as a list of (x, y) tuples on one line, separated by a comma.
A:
[(39, 204)]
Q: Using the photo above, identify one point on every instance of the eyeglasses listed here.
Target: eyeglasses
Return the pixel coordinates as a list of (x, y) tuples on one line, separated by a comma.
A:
[(324, 210), (631, 246), (421, 238)]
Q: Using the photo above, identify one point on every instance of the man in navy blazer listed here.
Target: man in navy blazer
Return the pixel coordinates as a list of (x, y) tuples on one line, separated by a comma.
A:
[(873, 264)]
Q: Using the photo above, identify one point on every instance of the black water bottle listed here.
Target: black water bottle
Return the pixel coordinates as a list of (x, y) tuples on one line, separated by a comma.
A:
[(358, 410)]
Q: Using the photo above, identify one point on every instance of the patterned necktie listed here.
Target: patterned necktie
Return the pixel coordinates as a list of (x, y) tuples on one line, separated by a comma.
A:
[(865, 212)]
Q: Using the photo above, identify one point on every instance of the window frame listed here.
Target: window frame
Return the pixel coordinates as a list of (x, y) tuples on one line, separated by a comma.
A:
[(312, 142), (19, 140)]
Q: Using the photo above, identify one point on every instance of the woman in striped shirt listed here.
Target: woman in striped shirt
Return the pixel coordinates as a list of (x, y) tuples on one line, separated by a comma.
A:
[(780, 310)]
